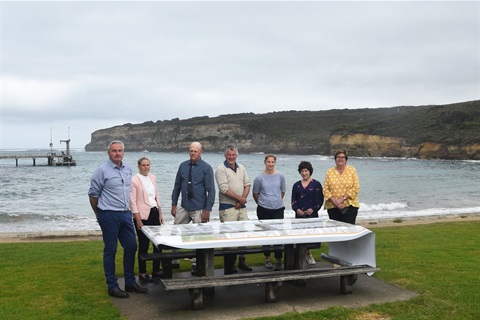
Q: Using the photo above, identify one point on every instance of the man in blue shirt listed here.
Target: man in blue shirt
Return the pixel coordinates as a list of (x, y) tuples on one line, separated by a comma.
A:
[(109, 196), (196, 184)]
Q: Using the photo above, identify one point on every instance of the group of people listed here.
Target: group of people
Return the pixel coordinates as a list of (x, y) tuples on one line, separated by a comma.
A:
[(117, 197)]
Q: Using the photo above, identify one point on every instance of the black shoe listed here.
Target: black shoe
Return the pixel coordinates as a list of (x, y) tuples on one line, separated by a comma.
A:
[(145, 278), (278, 266), (244, 267), (157, 274), (117, 293), (135, 288)]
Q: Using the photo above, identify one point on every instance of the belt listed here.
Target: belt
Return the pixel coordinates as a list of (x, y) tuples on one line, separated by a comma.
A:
[(119, 211)]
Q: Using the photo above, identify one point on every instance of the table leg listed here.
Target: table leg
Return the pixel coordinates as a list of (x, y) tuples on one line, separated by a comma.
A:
[(167, 268), (206, 267), (205, 262), (196, 296), (300, 261), (271, 289), (289, 257), (347, 282)]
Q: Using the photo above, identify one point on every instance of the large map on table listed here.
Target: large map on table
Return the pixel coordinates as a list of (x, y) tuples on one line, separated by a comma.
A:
[(352, 243), (252, 232)]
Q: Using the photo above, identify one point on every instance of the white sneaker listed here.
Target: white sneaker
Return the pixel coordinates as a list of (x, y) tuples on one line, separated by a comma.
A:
[(310, 259), (268, 264)]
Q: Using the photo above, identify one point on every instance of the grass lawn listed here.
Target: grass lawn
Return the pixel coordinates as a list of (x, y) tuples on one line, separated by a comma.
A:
[(64, 280)]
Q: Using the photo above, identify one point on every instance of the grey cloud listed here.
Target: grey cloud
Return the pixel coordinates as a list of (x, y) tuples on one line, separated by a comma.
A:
[(140, 61)]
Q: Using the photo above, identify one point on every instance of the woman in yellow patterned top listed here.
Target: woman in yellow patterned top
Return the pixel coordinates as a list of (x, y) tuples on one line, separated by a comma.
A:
[(341, 188)]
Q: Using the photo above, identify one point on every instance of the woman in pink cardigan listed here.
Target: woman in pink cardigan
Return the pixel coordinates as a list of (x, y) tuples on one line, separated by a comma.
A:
[(145, 206)]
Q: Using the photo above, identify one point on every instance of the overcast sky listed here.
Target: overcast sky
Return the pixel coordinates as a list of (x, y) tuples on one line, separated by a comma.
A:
[(92, 65)]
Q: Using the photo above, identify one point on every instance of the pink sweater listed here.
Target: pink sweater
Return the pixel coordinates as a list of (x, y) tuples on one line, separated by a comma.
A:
[(139, 199)]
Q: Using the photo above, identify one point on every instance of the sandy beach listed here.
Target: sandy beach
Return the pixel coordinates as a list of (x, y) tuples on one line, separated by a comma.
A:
[(62, 236)]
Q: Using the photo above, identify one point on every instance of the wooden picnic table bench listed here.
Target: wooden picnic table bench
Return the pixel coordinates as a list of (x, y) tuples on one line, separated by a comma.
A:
[(354, 244), (273, 280)]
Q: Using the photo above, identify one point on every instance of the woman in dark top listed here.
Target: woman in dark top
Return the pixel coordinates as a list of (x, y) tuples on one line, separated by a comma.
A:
[(307, 197)]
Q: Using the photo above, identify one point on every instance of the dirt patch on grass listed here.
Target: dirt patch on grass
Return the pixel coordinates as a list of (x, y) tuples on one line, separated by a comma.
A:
[(372, 316)]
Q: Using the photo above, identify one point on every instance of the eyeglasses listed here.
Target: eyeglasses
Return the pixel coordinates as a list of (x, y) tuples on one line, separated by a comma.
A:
[(340, 157)]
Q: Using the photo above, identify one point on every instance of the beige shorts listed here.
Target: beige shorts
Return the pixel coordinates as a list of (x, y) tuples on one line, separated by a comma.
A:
[(233, 214), (183, 216)]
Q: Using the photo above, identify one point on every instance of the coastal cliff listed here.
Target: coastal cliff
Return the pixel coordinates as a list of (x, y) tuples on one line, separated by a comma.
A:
[(379, 146), (429, 132)]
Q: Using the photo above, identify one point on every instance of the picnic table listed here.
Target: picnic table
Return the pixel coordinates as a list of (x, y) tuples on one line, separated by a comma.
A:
[(351, 252)]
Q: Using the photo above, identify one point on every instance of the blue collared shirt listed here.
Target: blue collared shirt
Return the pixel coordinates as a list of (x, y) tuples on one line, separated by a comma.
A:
[(111, 185), (203, 186), (225, 163)]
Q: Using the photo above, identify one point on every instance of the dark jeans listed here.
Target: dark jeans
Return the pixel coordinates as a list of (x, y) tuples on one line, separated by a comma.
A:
[(144, 242), (349, 217), (117, 226), (267, 214)]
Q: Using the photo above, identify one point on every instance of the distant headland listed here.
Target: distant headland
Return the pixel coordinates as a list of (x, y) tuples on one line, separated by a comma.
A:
[(428, 132)]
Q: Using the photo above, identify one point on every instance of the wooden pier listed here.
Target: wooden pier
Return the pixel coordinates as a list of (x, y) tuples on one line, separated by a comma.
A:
[(53, 159)]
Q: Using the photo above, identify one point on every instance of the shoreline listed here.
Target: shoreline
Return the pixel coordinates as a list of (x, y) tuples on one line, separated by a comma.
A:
[(96, 235)]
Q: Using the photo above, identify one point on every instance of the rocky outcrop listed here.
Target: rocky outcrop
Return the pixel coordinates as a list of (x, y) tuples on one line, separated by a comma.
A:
[(430, 150), (177, 138), (369, 145), (363, 145), (426, 132), (174, 138)]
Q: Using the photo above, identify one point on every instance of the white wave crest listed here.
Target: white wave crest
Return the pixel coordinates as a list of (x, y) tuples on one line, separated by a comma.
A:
[(383, 206)]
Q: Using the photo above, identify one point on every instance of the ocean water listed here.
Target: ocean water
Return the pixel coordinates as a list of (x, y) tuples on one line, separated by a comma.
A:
[(45, 199)]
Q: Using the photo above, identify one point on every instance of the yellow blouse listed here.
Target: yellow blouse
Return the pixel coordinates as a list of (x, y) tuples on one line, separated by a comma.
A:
[(338, 185)]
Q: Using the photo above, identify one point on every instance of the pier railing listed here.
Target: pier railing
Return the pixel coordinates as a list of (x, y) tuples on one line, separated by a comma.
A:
[(53, 159)]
